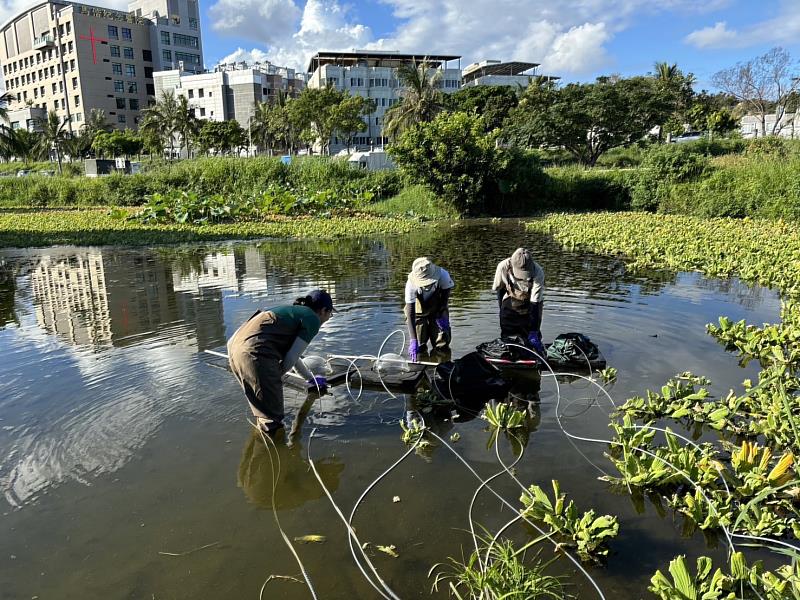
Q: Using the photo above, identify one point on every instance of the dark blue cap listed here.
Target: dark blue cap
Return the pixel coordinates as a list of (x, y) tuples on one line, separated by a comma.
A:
[(321, 299)]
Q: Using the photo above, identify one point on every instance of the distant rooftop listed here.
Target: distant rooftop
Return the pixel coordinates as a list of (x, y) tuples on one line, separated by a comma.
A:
[(495, 67), (376, 58)]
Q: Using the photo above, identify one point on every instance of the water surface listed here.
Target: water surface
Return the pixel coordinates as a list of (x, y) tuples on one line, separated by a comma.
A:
[(123, 444)]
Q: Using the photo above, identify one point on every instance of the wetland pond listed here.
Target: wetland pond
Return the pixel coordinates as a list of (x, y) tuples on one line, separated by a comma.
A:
[(128, 468)]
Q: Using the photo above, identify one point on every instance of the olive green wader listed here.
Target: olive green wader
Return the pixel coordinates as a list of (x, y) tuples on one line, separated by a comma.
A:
[(425, 315), (255, 354)]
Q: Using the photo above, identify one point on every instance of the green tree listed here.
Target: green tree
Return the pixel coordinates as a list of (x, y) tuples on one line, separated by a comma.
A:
[(591, 118), (52, 135), (492, 102), (314, 113), (221, 136), (5, 100), (348, 116), (453, 156), (162, 119), (96, 123), (78, 145), (421, 98), (187, 125), (118, 143), (24, 145), (680, 87), (262, 126)]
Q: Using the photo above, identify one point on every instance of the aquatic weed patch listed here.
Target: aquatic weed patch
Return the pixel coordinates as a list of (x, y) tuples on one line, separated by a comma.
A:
[(747, 486), (98, 227)]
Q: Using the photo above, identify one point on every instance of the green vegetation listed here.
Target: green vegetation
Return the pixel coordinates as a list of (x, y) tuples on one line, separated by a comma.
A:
[(23, 228), (746, 487), (414, 201), (507, 574), (587, 533)]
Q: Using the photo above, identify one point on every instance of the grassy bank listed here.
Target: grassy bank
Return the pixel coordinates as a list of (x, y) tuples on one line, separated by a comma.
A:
[(90, 227)]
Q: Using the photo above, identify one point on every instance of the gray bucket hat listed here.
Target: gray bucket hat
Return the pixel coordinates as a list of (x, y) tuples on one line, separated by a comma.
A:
[(522, 264), (423, 272)]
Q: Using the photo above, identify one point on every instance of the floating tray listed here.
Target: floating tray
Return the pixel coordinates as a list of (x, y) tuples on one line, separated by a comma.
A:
[(402, 382)]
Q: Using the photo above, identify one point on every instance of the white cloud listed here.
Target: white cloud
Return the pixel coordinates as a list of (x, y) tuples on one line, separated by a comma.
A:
[(712, 37), (568, 37), (782, 29)]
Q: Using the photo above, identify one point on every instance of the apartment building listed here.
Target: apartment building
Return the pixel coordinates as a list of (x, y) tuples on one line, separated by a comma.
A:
[(373, 74), (71, 58), (230, 91)]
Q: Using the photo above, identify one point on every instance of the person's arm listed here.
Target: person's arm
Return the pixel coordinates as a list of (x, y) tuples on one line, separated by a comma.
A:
[(500, 295), (411, 318), (536, 316), (292, 359), (498, 285)]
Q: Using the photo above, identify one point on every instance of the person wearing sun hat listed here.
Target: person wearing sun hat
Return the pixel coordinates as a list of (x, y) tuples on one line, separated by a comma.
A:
[(519, 284), (427, 295), (268, 345)]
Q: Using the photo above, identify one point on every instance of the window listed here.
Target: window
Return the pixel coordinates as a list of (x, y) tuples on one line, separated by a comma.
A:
[(79, 117), (147, 55), (151, 89), (115, 51), (192, 23), (72, 64), (130, 71), (54, 88), (116, 68), (35, 92), (166, 55), (134, 103), (126, 33), (192, 59), (148, 72), (77, 100), (202, 112), (191, 93), (55, 104), (132, 87), (61, 29), (119, 86), (74, 82), (128, 52), (188, 41), (113, 32), (165, 38), (200, 93), (69, 47), (69, 27), (120, 102), (121, 119)]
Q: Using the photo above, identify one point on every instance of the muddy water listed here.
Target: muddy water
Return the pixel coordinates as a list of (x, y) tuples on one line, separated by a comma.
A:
[(128, 468)]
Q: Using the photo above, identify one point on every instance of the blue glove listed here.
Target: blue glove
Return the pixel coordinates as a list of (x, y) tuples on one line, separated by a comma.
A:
[(413, 350), (317, 382), (443, 323), (535, 340)]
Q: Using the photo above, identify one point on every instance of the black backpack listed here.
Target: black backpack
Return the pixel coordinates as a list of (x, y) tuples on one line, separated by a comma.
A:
[(572, 348), (506, 348)]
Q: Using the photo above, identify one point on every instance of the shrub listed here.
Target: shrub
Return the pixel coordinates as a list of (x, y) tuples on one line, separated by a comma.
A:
[(771, 146), (520, 181), (578, 188), (662, 166)]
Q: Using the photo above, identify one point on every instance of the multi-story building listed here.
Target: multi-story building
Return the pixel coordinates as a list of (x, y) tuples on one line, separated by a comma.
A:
[(373, 74), (175, 34), (71, 58), (494, 72), (27, 117), (230, 91)]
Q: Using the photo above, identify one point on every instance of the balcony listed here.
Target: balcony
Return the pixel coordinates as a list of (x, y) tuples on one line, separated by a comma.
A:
[(43, 41)]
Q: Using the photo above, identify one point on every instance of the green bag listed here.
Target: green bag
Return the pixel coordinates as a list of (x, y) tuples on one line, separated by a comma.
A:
[(574, 348)]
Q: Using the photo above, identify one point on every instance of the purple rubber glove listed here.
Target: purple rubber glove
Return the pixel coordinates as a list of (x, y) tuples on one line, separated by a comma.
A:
[(317, 383), (443, 323), (413, 350), (535, 340)]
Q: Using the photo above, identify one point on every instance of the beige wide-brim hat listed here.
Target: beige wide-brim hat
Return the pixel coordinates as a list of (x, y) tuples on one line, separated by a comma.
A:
[(423, 272), (522, 264)]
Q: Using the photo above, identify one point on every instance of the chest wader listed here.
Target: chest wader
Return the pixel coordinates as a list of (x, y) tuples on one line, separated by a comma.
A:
[(258, 369), (425, 315), (516, 312)]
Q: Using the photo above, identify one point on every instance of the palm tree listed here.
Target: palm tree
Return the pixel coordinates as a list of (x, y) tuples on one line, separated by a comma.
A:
[(78, 145), (53, 134), (96, 123), (161, 119), (421, 98), (665, 72), (5, 100), (24, 145), (262, 126), (186, 124)]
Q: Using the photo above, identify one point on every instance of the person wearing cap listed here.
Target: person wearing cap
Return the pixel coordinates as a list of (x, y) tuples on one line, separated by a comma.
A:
[(519, 284), (427, 317), (268, 345)]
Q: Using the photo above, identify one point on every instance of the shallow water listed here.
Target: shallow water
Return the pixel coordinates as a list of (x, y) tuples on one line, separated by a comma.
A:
[(122, 444)]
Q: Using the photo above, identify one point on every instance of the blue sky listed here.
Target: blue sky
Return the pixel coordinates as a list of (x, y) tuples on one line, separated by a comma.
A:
[(576, 39)]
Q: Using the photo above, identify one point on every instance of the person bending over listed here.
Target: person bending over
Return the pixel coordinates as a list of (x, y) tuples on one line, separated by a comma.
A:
[(427, 294)]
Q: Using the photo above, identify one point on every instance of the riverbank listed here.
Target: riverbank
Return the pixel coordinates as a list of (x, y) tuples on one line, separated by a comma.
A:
[(97, 227)]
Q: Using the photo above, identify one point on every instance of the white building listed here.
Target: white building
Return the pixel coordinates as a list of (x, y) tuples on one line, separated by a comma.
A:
[(750, 126), (494, 72), (230, 91), (373, 74), (175, 33)]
